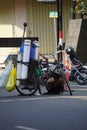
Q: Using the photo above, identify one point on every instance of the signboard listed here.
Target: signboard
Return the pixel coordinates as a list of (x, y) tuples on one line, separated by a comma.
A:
[(53, 14)]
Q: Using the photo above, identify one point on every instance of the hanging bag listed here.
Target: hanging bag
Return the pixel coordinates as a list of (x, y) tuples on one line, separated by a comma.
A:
[(11, 83), (4, 75)]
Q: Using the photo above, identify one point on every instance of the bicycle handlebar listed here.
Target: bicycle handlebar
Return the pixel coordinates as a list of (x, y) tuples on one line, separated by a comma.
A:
[(54, 54), (50, 55)]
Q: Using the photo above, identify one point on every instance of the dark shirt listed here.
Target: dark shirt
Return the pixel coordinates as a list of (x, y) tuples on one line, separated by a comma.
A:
[(74, 59)]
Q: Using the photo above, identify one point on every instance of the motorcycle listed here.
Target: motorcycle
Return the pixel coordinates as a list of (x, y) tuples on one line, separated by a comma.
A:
[(78, 70)]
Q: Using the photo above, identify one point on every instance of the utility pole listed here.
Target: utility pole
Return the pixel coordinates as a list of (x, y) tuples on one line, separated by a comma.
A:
[(59, 29), (73, 6)]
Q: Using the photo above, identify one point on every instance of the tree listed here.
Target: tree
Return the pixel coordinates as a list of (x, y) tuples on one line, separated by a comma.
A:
[(81, 7)]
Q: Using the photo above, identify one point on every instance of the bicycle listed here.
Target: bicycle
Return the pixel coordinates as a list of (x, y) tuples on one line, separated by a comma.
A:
[(58, 68), (30, 85)]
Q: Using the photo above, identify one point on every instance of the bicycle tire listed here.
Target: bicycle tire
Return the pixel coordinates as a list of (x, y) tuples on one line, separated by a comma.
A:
[(30, 88)]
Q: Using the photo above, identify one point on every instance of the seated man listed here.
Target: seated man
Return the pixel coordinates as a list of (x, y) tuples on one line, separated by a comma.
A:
[(54, 84)]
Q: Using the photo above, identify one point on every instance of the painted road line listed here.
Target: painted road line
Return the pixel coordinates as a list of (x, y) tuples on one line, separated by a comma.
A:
[(24, 128), (6, 100), (46, 98), (77, 85), (55, 97)]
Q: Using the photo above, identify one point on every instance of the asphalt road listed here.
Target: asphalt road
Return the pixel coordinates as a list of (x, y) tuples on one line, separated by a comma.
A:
[(58, 112)]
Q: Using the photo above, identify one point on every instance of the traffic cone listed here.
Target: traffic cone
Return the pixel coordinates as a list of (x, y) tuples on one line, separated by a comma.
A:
[(66, 72)]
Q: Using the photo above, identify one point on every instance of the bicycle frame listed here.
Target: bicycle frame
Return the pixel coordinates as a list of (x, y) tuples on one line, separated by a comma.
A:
[(59, 67)]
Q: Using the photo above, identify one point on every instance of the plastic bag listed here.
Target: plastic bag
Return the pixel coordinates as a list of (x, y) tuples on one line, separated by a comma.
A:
[(38, 72), (5, 74), (11, 83)]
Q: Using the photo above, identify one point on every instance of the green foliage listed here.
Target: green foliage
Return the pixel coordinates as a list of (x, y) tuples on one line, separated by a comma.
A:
[(81, 6)]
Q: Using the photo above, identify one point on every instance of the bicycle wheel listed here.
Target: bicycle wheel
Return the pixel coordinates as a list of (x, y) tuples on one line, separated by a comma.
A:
[(30, 88)]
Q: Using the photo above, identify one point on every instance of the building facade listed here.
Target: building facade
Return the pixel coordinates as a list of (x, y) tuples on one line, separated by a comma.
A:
[(13, 13)]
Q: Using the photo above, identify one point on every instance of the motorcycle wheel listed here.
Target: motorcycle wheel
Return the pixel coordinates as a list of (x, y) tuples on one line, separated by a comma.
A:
[(30, 88), (82, 80)]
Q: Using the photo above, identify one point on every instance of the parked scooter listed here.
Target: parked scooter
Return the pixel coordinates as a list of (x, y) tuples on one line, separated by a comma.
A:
[(78, 70)]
